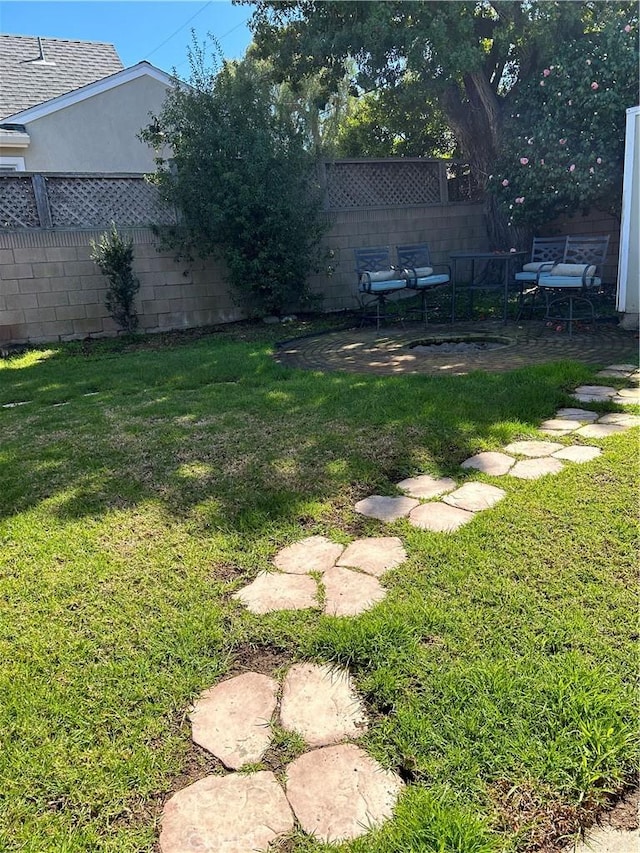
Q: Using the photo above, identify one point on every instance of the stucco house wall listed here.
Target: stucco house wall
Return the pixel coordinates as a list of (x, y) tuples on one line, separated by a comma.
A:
[(97, 134)]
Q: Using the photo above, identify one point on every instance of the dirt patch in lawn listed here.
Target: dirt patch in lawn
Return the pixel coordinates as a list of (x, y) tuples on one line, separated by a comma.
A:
[(549, 824)]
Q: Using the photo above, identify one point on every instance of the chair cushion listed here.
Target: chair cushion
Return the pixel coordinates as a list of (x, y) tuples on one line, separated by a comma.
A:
[(536, 266), (526, 276), (381, 275), (568, 281), (573, 269), (420, 272), (428, 281)]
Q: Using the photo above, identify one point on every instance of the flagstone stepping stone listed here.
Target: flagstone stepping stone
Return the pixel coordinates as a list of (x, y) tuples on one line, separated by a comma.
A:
[(594, 393), (606, 839), (475, 497), (582, 415), (578, 453), (320, 704), (313, 554), (274, 591), (385, 508), (622, 370), (235, 814), (532, 469), (374, 555), (339, 792), (600, 430), (596, 390), (622, 418), (490, 462), (349, 593), (533, 449), (425, 486), (559, 426), (439, 517), (231, 720), (627, 397)]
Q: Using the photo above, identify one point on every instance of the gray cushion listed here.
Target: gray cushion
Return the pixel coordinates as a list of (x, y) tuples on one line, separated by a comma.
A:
[(573, 269)]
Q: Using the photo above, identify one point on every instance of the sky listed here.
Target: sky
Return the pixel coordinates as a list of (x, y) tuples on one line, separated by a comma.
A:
[(157, 31)]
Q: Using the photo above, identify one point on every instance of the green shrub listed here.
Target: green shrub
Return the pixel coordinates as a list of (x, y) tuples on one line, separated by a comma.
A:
[(114, 256)]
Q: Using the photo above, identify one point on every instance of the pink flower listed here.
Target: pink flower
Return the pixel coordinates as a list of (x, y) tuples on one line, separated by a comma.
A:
[(627, 29), (519, 200), (542, 162), (570, 103), (563, 141), (591, 170), (524, 160), (505, 183), (598, 160), (546, 72), (572, 167), (594, 86), (542, 82)]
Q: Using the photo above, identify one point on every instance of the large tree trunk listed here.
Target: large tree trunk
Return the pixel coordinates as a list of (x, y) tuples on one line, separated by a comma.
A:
[(475, 114)]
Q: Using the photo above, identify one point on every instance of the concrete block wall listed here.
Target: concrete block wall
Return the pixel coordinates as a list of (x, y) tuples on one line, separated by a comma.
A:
[(51, 290), (446, 228)]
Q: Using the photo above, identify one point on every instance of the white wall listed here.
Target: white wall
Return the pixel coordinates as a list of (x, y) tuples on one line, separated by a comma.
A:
[(628, 301), (97, 134)]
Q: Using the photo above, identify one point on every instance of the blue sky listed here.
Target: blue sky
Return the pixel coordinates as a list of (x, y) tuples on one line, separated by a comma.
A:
[(146, 29)]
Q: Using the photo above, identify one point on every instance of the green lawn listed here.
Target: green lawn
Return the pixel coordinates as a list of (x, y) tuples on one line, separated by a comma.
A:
[(498, 672)]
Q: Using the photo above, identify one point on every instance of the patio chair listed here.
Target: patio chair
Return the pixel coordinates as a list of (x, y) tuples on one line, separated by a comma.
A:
[(545, 252), (572, 280), (377, 278), (415, 262)]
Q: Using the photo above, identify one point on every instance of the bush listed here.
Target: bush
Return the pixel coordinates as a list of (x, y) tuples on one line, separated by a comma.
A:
[(114, 256), (246, 187)]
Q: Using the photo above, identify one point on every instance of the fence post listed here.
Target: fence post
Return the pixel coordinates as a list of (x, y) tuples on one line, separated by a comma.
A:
[(42, 201), (442, 177)]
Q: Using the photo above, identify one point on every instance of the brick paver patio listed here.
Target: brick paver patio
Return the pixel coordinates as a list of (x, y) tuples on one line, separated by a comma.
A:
[(389, 351)]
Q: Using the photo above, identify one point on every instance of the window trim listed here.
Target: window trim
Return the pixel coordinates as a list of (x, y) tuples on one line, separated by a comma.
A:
[(16, 162)]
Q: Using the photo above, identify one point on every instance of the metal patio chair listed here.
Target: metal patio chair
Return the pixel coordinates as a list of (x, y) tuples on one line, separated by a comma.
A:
[(415, 262), (545, 252), (378, 279), (574, 279)]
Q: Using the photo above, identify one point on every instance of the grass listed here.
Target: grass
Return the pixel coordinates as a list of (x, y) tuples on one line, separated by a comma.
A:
[(145, 481)]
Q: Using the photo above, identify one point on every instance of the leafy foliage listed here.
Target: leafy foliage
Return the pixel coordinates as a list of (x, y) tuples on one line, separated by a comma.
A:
[(114, 256), (243, 181), (472, 59), (394, 123), (564, 141)]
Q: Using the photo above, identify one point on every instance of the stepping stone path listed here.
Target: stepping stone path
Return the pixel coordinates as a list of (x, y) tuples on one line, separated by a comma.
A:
[(335, 791), (349, 576)]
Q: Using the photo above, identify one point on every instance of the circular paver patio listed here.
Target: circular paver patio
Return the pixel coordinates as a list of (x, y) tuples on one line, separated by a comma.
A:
[(389, 352)]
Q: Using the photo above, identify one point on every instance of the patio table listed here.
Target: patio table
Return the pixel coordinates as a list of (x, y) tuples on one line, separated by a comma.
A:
[(505, 262)]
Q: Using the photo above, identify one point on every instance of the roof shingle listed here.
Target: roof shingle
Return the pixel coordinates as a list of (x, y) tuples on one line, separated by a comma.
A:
[(25, 80)]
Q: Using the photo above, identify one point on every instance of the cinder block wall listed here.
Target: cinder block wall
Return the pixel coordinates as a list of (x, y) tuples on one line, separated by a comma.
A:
[(51, 290), (446, 228)]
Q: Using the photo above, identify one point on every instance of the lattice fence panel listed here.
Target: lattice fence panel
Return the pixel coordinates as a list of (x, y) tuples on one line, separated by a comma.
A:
[(353, 185), (17, 203), (95, 202)]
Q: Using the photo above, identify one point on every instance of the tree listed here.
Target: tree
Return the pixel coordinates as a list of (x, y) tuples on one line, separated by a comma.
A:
[(472, 57), (564, 140), (396, 122), (246, 187), (113, 255)]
